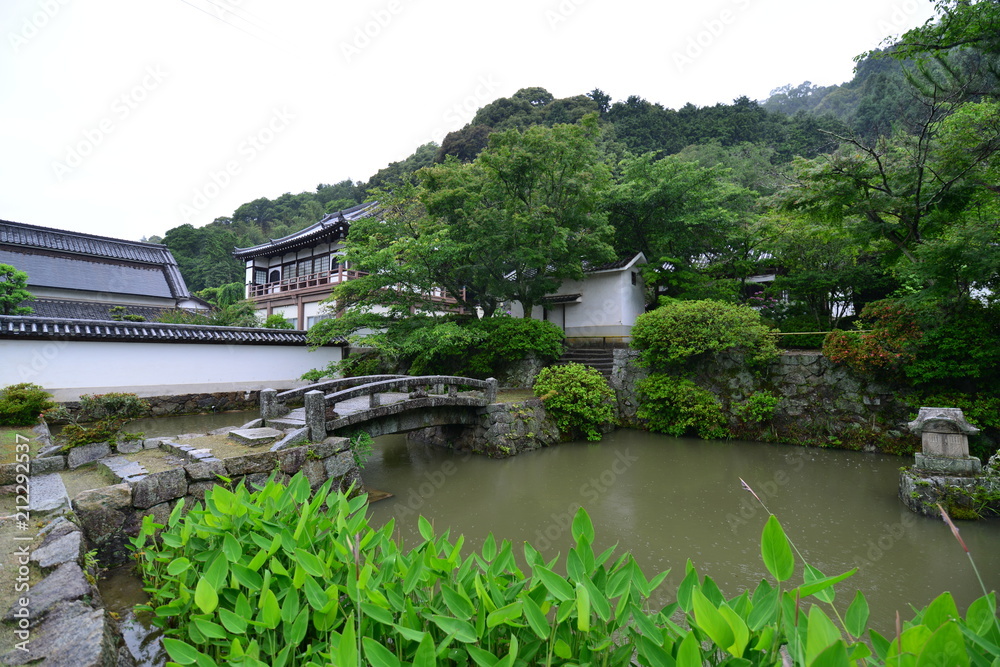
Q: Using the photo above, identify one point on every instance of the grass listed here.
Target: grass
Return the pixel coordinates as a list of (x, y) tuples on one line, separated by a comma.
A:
[(9, 436)]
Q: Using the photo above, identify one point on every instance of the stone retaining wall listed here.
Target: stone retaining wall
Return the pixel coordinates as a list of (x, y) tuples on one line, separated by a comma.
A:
[(820, 402), (111, 515), (192, 404)]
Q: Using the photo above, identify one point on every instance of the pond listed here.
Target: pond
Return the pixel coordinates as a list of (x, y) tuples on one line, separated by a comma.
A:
[(668, 499)]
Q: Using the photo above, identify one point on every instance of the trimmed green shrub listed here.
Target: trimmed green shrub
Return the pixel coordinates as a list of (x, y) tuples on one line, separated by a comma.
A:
[(277, 321), (678, 333), (21, 404), (758, 407), (105, 415), (677, 406), (578, 397)]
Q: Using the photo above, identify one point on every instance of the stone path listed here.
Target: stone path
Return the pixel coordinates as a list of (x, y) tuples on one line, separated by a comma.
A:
[(47, 494)]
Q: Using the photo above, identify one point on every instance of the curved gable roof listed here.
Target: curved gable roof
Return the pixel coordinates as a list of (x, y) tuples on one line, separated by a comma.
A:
[(332, 226)]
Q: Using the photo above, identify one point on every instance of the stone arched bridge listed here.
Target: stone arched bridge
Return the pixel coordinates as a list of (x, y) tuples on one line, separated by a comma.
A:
[(380, 404)]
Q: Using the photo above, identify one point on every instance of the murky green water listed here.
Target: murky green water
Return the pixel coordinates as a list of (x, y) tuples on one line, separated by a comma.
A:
[(159, 427), (668, 499)]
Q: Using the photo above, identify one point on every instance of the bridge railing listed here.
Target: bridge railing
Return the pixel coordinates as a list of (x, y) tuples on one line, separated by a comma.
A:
[(284, 397), (316, 403)]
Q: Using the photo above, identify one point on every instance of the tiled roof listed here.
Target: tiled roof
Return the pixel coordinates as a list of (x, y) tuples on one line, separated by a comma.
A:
[(72, 272), (333, 225), (88, 310), (562, 298), (92, 263), (30, 327), (621, 263), (32, 236)]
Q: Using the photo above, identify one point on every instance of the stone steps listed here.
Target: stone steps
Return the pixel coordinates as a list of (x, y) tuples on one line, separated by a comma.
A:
[(598, 358)]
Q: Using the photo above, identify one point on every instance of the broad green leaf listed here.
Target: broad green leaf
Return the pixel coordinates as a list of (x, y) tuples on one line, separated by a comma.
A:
[(378, 655), (820, 634), (941, 610), (945, 647), (347, 649), (270, 612), (536, 618), (231, 547), (655, 655), (482, 657), (210, 629), (458, 602), (489, 548), (180, 652), (582, 608), (233, 622), (775, 550), (463, 630), (296, 631), (555, 584), (247, 577), (205, 596), (689, 652), (425, 528), (856, 619), (426, 655), (834, 655), (377, 613), (816, 583), (582, 528), (710, 620), (177, 566), (310, 563), (689, 583), (505, 614), (981, 614), (741, 633), (563, 650)]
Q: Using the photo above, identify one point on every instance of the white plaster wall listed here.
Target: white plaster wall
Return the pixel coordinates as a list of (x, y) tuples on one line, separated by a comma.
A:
[(70, 368)]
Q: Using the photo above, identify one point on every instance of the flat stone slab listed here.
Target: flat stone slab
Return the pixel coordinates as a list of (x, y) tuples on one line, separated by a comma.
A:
[(73, 635), (122, 469), (85, 454), (255, 436), (58, 550), (130, 446), (66, 583), (295, 437), (48, 494), (286, 422)]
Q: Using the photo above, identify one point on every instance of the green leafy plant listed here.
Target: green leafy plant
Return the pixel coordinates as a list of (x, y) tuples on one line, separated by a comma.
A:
[(21, 404), (886, 344), (121, 314), (13, 291), (362, 446), (578, 397), (757, 408), (277, 321), (105, 415), (678, 406), (283, 577), (678, 333)]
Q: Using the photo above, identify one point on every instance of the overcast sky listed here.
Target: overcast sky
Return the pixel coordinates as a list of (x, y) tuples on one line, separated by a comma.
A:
[(127, 118)]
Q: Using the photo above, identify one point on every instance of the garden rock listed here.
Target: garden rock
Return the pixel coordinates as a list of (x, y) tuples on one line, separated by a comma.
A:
[(159, 487), (66, 583), (85, 454), (74, 635), (59, 549), (48, 494)]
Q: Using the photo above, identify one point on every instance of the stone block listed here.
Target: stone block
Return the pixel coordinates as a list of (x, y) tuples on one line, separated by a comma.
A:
[(291, 460), (159, 487), (73, 635), (315, 472), (339, 465), (947, 465), (64, 584), (58, 550), (255, 436), (198, 489), (154, 443), (255, 423), (102, 512), (258, 480), (293, 438), (251, 463), (206, 470), (85, 454), (129, 446), (48, 464), (47, 494), (329, 447)]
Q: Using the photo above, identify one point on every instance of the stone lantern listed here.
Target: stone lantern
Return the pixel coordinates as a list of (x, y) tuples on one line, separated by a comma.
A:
[(945, 442)]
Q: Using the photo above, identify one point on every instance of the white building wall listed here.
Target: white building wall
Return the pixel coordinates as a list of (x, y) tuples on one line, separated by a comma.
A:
[(68, 369)]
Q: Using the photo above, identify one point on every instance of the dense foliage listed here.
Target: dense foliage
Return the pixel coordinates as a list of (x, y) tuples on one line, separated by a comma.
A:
[(677, 406), (22, 404), (283, 578), (99, 418), (678, 333), (426, 345), (577, 397), (13, 291)]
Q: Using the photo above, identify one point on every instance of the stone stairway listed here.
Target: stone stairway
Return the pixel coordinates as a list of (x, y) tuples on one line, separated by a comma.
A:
[(596, 357)]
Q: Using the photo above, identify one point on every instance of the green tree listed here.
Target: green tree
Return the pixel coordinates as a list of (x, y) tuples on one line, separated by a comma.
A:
[(13, 291)]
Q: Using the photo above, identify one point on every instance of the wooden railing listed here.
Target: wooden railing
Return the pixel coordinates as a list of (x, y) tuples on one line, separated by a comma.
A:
[(302, 282)]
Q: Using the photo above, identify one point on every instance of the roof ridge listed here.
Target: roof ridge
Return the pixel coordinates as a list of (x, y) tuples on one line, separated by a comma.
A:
[(67, 232)]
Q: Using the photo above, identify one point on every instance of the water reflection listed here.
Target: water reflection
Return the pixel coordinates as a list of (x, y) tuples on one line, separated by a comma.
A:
[(667, 500)]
